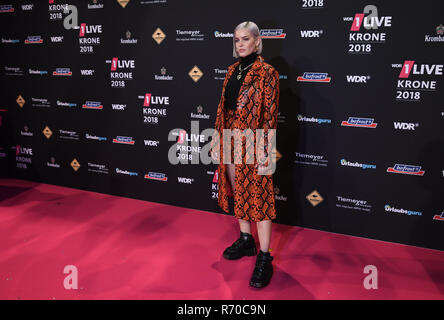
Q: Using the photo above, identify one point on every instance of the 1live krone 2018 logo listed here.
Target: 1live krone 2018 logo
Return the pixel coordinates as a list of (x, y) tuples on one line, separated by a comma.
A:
[(366, 31), (121, 71), (416, 78)]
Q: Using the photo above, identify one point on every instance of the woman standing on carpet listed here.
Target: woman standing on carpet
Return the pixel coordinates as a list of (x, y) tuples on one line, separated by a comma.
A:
[(250, 98)]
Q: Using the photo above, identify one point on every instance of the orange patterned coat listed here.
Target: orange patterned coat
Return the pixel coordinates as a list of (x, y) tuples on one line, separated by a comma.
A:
[(257, 105)]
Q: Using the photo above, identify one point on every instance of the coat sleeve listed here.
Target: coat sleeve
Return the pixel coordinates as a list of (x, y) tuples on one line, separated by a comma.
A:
[(270, 108)]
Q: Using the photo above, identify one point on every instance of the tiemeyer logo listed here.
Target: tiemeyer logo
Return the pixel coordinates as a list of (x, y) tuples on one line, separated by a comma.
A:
[(347, 163), (159, 36), (92, 105), (88, 38), (313, 119), (124, 140), (406, 169), (405, 125), (389, 208), (33, 40), (154, 2), (311, 33), (119, 78), (311, 159), (272, 34), (156, 176), (218, 34), (62, 72), (359, 122), (219, 74), (97, 168), (314, 77), (352, 204), (189, 35), (128, 39), (363, 29), (68, 135), (152, 108), (439, 37), (13, 71), (410, 90), (40, 102)]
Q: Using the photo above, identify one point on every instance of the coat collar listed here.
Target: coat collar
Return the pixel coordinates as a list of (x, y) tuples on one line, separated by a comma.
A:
[(256, 65), (251, 74)]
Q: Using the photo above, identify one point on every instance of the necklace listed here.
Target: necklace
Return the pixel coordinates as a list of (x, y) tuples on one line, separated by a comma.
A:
[(241, 70)]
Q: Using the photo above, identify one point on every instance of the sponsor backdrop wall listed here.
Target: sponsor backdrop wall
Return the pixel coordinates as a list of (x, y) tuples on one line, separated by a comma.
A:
[(89, 97)]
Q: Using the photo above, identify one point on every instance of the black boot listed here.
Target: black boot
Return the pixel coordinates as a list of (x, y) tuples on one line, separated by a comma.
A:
[(263, 271), (244, 246)]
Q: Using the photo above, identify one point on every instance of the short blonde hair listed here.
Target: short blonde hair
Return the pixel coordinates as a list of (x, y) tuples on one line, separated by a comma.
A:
[(253, 29)]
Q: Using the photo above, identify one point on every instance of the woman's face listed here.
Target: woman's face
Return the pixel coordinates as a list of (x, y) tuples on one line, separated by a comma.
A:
[(245, 42)]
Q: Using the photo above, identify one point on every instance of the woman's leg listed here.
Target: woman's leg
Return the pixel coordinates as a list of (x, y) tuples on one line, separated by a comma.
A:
[(264, 234), (244, 225)]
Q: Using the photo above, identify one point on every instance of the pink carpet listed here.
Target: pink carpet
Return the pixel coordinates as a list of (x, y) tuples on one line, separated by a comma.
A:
[(130, 249)]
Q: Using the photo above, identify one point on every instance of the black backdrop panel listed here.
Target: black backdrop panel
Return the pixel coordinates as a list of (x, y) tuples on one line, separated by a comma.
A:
[(360, 154)]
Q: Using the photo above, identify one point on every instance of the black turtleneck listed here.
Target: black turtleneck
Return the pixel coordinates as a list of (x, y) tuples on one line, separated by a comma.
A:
[(233, 85)]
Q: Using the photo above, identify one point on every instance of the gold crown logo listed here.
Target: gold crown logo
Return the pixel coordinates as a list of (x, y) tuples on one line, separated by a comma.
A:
[(75, 164), (314, 198), (47, 132), (20, 101), (195, 74), (158, 35), (123, 3)]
